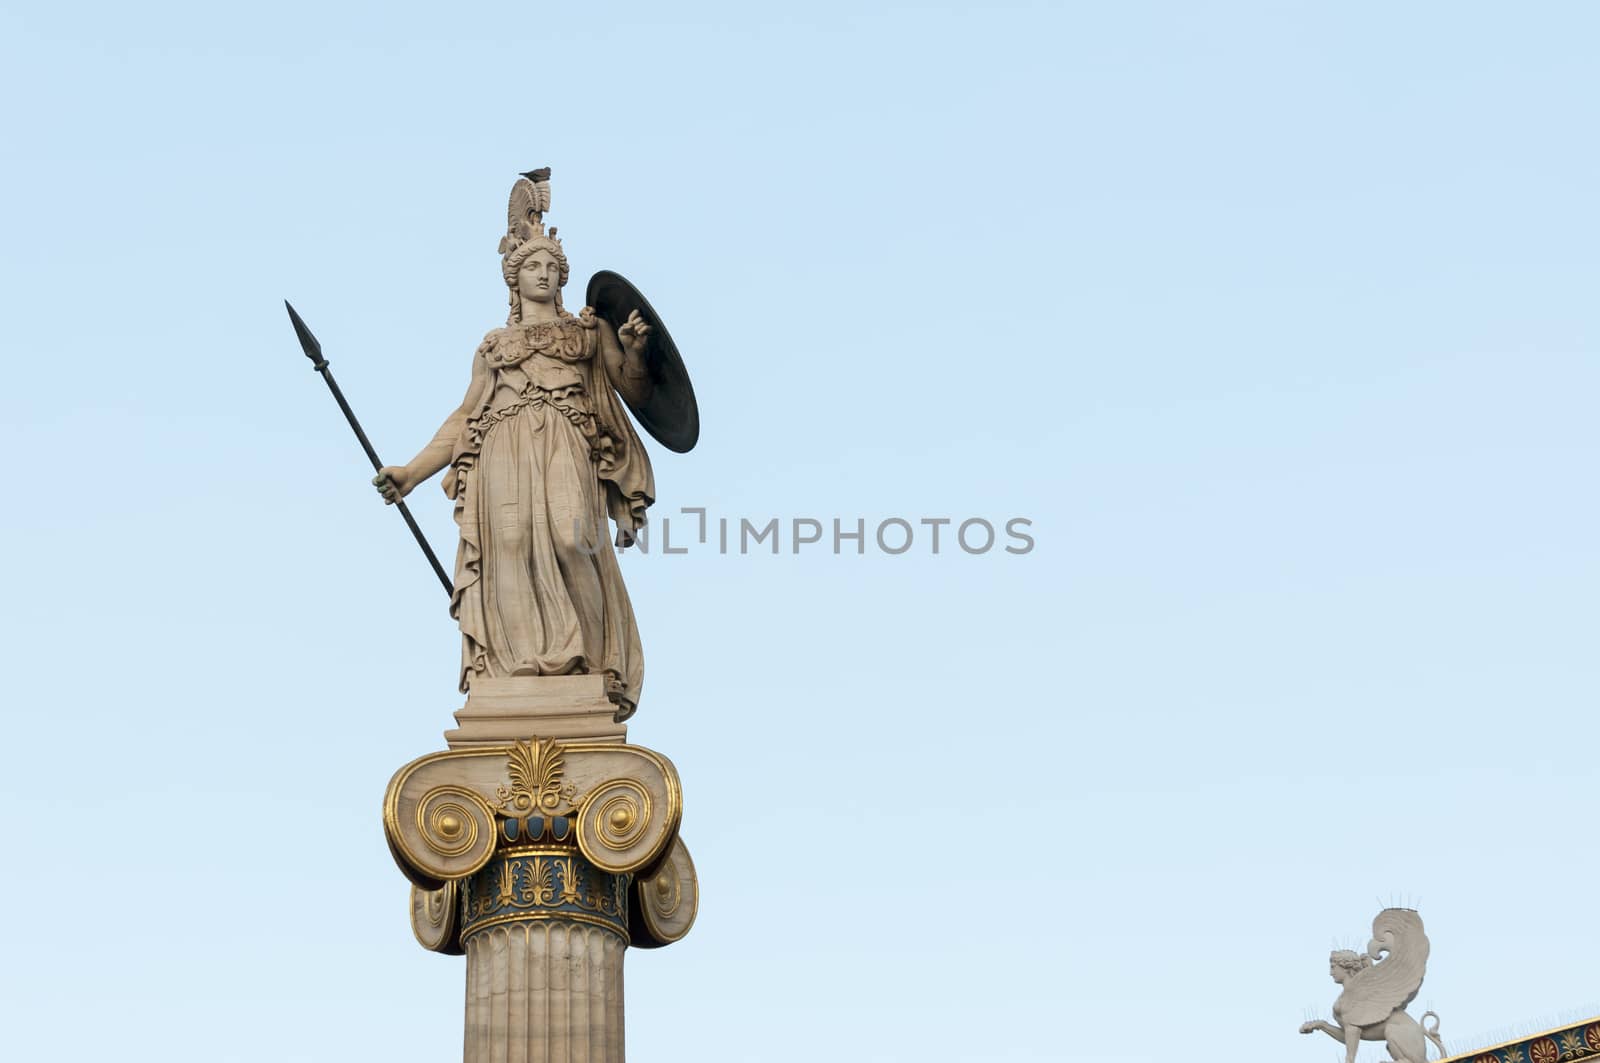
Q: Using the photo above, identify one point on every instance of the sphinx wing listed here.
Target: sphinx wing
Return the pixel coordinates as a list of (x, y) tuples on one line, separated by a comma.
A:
[(1401, 950)]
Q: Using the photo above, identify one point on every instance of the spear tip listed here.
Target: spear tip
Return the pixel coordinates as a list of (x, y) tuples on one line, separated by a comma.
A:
[(308, 342)]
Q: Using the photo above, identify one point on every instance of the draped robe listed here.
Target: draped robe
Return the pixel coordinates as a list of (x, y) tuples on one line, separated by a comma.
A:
[(546, 456)]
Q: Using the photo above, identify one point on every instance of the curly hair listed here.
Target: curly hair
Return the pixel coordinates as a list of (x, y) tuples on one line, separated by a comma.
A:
[(1350, 961), (512, 264)]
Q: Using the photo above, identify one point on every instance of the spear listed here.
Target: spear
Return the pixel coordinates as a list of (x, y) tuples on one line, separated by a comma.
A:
[(313, 351)]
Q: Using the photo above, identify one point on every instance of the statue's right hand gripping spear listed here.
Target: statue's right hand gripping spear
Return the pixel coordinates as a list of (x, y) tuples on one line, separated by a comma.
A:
[(313, 351)]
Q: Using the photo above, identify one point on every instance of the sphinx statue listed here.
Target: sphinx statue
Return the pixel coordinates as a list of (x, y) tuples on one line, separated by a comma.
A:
[(1378, 985)]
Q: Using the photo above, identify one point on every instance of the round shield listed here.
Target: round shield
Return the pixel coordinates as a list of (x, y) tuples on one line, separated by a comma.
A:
[(670, 413)]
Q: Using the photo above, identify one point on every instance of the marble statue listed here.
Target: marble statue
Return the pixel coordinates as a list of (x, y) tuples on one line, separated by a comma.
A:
[(1378, 984), (541, 844), (540, 455)]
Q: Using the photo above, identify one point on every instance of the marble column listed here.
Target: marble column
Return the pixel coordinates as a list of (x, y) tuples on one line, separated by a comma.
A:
[(544, 933), (543, 860)]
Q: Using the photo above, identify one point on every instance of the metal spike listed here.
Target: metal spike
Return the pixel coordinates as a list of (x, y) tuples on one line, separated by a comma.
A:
[(308, 342)]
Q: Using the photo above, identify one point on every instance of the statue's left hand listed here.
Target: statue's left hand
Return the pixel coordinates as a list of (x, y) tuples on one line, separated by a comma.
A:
[(634, 335), (1308, 1027)]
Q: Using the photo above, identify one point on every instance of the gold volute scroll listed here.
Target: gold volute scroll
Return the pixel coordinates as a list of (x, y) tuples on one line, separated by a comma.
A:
[(619, 829), (434, 918), (456, 830), (666, 901)]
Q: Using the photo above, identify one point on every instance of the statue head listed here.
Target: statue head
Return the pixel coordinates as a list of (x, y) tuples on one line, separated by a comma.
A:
[(532, 262), (1343, 963), (535, 270)]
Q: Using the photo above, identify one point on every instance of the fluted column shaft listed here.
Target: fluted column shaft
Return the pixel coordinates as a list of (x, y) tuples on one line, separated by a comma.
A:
[(544, 933), (548, 991)]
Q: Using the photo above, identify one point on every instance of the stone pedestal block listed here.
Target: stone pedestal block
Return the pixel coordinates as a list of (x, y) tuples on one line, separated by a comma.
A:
[(501, 711)]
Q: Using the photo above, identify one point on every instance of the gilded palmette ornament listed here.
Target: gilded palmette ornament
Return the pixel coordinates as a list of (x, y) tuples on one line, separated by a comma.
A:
[(535, 768)]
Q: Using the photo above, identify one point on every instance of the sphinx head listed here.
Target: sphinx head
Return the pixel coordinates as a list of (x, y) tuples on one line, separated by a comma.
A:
[(1343, 963)]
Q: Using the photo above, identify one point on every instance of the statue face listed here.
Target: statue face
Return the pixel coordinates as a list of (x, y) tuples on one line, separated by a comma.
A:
[(540, 277), (1337, 973)]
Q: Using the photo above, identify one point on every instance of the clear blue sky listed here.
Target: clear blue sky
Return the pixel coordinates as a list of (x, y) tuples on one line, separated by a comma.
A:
[(1278, 320)]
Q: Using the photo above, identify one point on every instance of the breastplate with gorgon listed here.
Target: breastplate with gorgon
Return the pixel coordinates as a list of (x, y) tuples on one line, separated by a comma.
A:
[(545, 357), (564, 340)]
